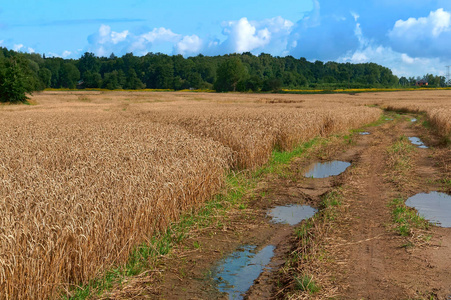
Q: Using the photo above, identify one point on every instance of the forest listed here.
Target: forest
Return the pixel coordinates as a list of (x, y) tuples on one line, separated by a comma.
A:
[(21, 73)]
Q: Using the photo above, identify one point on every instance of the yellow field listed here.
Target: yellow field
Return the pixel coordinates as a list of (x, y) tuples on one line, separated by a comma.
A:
[(86, 176)]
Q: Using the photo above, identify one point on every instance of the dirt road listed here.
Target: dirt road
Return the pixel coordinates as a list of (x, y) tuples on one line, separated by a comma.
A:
[(373, 261), (361, 256)]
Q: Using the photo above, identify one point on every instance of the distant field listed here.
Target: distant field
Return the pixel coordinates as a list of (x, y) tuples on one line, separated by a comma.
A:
[(87, 176)]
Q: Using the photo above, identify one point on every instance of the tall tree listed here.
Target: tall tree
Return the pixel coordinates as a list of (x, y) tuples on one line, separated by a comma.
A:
[(229, 73), (13, 82), (69, 75)]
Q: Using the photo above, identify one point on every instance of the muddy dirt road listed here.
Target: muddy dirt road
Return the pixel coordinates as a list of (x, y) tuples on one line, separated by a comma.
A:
[(360, 255)]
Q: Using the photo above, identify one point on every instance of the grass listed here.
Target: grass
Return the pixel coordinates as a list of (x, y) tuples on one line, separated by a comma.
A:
[(306, 283), (329, 204), (280, 159), (399, 159), (406, 219), (310, 252)]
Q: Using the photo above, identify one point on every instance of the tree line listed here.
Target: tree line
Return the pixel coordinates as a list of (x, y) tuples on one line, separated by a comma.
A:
[(21, 73)]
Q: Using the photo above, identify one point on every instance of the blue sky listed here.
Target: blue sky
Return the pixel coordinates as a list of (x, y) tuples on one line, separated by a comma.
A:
[(411, 37)]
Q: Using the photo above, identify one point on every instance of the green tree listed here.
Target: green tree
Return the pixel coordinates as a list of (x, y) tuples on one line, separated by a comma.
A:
[(403, 81), (272, 85), (92, 79), (13, 82), (254, 83), (229, 73), (45, 77), (69, 75), (132, 81), (88, 62), (114, 80)]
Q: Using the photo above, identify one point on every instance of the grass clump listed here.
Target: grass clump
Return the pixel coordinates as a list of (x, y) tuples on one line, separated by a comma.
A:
[(306, 283), (406, 219), (309, 252), (329, 203), (399, 160)]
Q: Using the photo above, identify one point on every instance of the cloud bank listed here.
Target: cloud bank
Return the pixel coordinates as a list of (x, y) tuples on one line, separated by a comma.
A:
[(410, 41)]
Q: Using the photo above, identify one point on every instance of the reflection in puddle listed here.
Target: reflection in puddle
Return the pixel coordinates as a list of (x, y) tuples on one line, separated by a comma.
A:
[(416, 141), (237, 272), (435, 207), (364, 133), (413, 120), (291, 214), (327, 169)]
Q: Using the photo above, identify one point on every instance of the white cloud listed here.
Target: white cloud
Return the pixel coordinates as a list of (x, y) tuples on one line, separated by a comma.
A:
[(105, 35), (189, 45), (244, 37), (276, 25), (66, 54), (161, 35), (51, 54), (400, 63), (31, 50), (423, 37), (407, 59), (107, 41), (269, 35), (117, 37), (437, 22), (355, 15), (17, 47)]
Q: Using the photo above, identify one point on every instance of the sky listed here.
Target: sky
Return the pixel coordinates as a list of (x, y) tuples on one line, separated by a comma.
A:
[(411, 37)]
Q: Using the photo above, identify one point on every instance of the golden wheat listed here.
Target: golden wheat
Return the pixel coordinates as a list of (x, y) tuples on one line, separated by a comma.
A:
[(436, 105), (85, 177)]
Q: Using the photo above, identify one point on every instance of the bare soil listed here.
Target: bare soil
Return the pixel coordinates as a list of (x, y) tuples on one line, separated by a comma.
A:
[(366, 259)]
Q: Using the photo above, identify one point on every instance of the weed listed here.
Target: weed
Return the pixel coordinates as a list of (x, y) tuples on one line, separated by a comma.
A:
[(328, 204), (406, 218), (306, 283), (399, 158), (196, 244)]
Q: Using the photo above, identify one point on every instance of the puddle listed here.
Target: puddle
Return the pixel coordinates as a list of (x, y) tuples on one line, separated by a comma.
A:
[(327, 169), (388, 119), (435, 207), (237, 272), (291, 214), (364, 133), (416, 141), (413, 120)]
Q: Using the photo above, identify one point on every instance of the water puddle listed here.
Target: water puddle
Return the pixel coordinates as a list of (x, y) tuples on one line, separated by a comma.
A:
[(388, 119), (327, 169), (413, 120), (291, 214), (364, 133), (435, 207), (416, 141), (237, 272)]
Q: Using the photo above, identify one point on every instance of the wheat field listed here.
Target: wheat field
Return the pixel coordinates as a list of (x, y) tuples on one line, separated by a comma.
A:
[(435, 104), (87, 176)]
